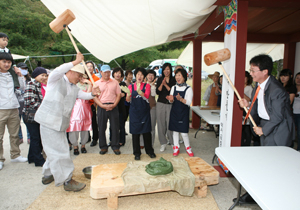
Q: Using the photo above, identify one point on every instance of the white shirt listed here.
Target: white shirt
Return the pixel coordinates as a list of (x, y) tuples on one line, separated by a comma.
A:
[(188, 94), (59, 72), (8, 99), (261, 108), (248, 91), (296, 105)]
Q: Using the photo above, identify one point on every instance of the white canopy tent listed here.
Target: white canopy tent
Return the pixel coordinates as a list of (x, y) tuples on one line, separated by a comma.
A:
[(276, 51), (112, 28)]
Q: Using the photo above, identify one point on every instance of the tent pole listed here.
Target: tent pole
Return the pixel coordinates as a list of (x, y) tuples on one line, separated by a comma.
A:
[(30, 65), (118, 64)]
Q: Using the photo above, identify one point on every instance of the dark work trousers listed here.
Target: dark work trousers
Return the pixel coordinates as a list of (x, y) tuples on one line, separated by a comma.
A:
[(67, 133), (121, 129), (147, 142), (94, 124), (35, 148), (256, 140), (246, 135), (113, 117)]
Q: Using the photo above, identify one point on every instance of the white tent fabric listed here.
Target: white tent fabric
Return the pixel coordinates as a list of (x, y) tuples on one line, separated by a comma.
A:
[(19, 57), (112, 28), (276, 51)]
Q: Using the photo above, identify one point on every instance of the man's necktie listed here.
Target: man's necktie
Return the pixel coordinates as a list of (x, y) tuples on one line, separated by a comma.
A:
[(253, 101)]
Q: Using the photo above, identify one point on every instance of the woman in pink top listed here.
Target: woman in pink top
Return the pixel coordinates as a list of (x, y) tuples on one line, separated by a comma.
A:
[(81, 119)]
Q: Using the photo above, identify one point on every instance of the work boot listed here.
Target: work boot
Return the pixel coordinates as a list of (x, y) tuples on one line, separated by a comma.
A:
[(74, 186), (47, 179)]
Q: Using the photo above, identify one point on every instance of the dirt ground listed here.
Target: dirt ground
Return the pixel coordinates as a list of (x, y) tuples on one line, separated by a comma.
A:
[(20, 183)]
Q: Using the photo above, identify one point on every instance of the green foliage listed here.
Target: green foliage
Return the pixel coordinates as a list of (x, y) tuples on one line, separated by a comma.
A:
[(144, 57), (173, 46), (277, 67), (27, 29), (26, 22)]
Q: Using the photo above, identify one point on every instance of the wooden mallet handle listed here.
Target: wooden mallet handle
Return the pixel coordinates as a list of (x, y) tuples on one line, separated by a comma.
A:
[(61, 22), (77, 50), (217, 57), (236, 92)]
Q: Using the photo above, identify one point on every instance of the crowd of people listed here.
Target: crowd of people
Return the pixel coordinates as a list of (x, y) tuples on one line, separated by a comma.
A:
[(61, 107)]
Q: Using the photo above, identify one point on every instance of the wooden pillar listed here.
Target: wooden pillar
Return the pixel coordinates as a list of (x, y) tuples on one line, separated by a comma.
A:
[(289, 56), (197, 58), (241, 44)]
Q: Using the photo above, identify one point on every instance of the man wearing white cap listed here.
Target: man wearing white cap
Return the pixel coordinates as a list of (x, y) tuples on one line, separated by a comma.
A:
[(108, 109), (54, 117)]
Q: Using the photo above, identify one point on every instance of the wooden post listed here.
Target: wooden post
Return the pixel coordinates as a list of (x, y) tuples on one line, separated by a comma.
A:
[(241, 44), (197, 60), (289, 56), (201, 191), (112, 201)]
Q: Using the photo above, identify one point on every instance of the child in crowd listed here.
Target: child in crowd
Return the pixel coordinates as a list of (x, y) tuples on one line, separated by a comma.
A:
[(181, 96), (81, 118), (3, 43)]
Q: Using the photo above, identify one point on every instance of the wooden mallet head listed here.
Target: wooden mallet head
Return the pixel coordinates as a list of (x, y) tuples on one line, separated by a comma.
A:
[(60, 22), (217, 56)]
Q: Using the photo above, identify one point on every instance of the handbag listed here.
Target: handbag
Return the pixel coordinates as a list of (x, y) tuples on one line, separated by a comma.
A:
[(29, 114)]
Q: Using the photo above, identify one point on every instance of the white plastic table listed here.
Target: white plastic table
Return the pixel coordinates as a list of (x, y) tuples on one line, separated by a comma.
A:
[(271, 175), (210, 116)]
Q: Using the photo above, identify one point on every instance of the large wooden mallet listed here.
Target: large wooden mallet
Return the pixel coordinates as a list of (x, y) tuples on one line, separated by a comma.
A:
[(217, 57), (60, 23)]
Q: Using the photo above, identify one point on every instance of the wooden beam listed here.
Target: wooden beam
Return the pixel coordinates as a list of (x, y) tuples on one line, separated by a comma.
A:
[(222, 2), (273, 3), (254, 38), (295, 37), (189, 37), (214, 37), (266, 38), (210, 24), (197, 55)]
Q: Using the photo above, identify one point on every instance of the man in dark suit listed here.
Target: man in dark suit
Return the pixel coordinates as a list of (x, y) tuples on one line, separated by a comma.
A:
[(271, 111)]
